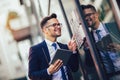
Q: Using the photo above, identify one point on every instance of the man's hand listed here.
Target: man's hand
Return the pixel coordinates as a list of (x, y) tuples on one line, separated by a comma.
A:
[(114, 47), (72, 44), (55, 67)]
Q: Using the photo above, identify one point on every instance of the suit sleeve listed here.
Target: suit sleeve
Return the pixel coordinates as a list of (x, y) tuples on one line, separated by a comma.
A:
[(88, 58), (74, 62), (35, 72)]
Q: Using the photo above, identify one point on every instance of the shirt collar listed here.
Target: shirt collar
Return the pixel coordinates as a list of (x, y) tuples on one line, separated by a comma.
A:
[(49, 42), (100, 27)]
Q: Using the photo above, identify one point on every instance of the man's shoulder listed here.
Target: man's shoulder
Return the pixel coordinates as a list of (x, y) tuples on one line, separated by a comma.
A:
[(39, 45), (111, 24), (112, 27), (62, 45)]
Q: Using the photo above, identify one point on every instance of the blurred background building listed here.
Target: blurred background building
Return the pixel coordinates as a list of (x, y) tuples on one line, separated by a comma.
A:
[(20, 29)]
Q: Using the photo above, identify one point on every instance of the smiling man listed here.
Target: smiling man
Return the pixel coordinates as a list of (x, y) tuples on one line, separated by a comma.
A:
[(40, 55)]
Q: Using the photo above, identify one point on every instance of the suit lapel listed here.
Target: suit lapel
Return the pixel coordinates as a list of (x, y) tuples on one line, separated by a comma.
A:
[(45, 51), (92, 36)]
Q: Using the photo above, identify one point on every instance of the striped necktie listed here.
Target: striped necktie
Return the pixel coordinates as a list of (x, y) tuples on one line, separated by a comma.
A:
[(98, 34)]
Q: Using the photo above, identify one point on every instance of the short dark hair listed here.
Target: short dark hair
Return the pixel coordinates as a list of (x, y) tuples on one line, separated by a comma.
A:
[(45, 19), (88, 6)]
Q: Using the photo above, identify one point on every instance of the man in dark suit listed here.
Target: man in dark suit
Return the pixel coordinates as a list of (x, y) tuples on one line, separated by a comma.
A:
[(104, 36), (41, 55)]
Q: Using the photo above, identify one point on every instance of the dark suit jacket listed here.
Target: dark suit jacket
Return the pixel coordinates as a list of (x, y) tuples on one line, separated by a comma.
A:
[(39, 59)]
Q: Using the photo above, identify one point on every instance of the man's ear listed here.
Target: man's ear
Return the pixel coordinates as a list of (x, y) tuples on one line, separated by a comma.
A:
[(45, 30), (97, 15)]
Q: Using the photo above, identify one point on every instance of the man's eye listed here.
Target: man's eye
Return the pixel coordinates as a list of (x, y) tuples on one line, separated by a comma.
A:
[(54, 24), (59, 24)]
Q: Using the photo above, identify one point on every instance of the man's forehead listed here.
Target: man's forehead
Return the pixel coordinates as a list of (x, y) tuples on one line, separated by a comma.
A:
[(53, 20), (88, 10)]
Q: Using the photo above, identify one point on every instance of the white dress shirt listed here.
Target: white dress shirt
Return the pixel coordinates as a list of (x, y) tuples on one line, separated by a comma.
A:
[(51, 49)]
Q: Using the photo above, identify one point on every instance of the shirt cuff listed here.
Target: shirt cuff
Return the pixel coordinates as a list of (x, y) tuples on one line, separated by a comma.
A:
[(74, 52), (48, 72)]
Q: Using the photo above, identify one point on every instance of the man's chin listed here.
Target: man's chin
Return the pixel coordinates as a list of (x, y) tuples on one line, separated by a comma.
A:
[(89, 24), (58, 35)]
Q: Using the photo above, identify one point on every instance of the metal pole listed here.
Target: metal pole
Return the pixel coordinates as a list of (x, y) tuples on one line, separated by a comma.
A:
[(49, 2), (37, 30), (65, 17), (40, 10), (115, 8), (95, 57)]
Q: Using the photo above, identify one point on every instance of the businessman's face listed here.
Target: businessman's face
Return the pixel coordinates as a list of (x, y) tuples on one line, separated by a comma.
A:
[(91, 17), (53, 28)]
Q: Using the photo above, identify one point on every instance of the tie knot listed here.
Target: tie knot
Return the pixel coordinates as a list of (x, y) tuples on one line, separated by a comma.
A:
[(54, 45), (97, 31)]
